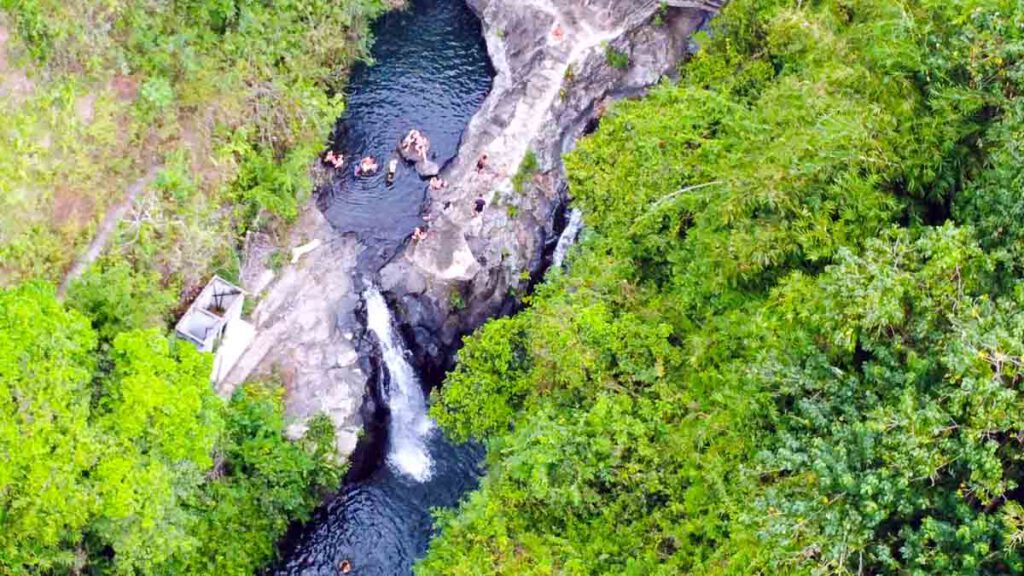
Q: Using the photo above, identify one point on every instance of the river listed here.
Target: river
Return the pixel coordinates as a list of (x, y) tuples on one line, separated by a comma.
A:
[(430, 72)]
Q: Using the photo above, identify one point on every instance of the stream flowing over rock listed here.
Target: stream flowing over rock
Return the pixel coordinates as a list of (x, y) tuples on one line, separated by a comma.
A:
[(554, 79)]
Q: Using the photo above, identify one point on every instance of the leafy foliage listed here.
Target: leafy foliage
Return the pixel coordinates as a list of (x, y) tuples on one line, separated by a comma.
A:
[(125, 461), (229, 97), (265, 482), (791, 343), (528, 169), (118, 299), (46, 443)]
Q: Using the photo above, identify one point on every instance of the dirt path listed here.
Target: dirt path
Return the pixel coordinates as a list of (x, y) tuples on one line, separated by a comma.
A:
[(106, 229)]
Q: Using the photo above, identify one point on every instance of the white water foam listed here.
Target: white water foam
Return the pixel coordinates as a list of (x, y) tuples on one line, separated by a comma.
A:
[(568, 237), (410, 425)]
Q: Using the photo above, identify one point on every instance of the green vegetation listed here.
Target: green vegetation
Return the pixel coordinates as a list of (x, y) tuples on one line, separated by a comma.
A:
[(123, 460), (528, 168), (118, 458), (455, 300), (616, 58), (227, 101), (793, 341)]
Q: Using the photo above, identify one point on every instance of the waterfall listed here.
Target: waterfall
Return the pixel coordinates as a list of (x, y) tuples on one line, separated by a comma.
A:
[(410, 425), (568, 237)]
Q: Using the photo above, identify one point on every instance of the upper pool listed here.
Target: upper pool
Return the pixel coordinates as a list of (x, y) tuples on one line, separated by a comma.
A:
[(430, 71)]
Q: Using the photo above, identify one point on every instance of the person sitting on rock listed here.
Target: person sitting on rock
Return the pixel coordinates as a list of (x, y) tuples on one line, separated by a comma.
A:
[(437, 183), (478, 205), (367, 166), (419, 234), (481, 163), (420, 146), (411, 138), (415, 144)]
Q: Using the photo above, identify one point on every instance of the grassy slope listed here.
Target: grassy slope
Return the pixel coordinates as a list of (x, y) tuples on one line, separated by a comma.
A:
[(228, 100)]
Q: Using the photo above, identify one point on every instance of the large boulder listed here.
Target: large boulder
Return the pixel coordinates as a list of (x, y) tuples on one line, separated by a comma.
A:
[(427, 168)]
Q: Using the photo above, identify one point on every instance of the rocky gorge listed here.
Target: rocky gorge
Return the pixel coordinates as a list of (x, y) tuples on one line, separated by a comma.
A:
[(558, 63)]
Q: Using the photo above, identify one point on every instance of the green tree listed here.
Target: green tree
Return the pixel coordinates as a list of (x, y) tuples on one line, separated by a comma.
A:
[(264, 483), (791, 343), (46, 442), (123, 460), (117, 299), (160, 419)]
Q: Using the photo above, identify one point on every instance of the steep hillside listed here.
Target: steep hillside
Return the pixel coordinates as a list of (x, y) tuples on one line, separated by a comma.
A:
[(791, 341)]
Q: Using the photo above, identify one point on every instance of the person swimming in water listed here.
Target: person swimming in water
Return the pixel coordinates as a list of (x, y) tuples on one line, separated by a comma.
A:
[(367, 166), (392, 171), (336, 160)]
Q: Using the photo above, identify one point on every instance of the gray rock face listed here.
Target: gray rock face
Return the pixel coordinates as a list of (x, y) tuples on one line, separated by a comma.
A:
[(305, 335), (554, 77)]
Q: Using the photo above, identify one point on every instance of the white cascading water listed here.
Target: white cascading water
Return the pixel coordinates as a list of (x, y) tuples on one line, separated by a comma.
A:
[(410, 425), (568, 237)]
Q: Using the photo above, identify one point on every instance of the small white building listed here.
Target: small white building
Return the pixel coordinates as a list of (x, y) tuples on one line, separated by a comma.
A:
[(214, 324)]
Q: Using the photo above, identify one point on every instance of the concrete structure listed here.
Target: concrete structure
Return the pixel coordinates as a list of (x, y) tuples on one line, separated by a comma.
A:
[(214, 324)]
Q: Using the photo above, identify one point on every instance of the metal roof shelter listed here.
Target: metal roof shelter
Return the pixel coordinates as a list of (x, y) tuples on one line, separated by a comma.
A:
[(213, 323)]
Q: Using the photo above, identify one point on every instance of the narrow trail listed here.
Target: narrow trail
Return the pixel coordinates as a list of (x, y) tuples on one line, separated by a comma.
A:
[(99, 242)]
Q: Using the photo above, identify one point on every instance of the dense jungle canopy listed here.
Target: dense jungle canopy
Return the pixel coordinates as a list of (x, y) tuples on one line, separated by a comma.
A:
[(792, 339)]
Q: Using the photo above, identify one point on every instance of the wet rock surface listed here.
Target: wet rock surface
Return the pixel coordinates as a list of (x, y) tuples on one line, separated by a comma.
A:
[(554, 78)]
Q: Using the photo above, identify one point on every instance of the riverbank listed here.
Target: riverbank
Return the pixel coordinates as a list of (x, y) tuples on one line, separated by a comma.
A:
[(556, 63), (148, 146), (791, 341), (493, 229)]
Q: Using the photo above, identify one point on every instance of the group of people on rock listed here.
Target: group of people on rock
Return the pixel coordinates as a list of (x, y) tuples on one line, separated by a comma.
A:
[(416, 144)]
